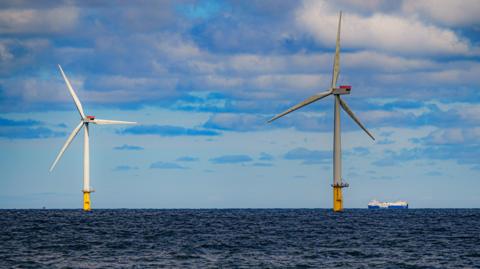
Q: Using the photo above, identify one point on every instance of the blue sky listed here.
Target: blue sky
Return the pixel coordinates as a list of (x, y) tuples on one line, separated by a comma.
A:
[(202, 77)]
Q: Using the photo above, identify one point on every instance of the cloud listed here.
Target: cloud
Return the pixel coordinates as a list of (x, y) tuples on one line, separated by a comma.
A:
[(9, 123), (235, 122), (26, 129), (263, 164), (187, 159), (203, 101), (309, 156), (35, 21), (243, 66), (122, 168), (382, 177), (451, 13), (360, 151), (231, 159), (128, 147), (434, 174), (453, 136), (425, 115), (461, 154), (385, 141), (239, 122), (201, 10), (475, 167), (378, 61), (28, 133), (373, 113), (385, 162), (239, 23), (166, 130), (461, 145), (381, 31), (166, 165), (265, 157)]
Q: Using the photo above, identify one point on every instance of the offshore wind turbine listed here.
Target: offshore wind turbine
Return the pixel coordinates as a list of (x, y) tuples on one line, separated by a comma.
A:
[(338, 183), (85, 121)]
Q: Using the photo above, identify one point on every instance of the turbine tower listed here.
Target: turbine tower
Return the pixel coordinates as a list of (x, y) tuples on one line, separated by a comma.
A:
[(338, 183), (84, 122)]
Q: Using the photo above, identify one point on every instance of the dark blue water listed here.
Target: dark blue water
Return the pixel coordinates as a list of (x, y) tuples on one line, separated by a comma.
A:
[(244, 238)]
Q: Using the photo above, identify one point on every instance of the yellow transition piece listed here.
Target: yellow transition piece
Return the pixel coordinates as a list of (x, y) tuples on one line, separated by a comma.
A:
[(86, 201), (337, 199)]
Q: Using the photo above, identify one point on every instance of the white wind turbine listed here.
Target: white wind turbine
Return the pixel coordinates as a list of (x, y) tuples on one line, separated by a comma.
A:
[(84, 122), (339, 102)]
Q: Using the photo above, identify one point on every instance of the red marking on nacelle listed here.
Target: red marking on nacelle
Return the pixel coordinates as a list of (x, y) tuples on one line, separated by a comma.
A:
[(346, 87), (91, 117)]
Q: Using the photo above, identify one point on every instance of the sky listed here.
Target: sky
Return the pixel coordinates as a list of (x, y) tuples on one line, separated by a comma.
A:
[(202, 78)]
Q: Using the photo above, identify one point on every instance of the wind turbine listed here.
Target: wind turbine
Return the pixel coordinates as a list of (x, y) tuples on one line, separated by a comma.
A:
[(338, 183), (84, 122)]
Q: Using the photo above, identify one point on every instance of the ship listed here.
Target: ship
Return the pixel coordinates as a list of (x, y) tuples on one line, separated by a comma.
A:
[(374, 204)]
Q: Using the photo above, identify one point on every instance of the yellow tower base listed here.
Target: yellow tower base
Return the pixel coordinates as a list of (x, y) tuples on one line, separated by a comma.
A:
[(337, 199), (86, 201)]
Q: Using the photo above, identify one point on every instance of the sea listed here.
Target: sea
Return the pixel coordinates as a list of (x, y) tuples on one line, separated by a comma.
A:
[(240, 238)]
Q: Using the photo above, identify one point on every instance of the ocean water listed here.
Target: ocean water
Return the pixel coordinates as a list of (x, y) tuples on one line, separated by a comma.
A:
[(240, 238)]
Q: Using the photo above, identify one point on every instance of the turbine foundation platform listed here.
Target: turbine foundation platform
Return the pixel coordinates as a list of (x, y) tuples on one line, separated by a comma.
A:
[(86, 201), (338, 197)]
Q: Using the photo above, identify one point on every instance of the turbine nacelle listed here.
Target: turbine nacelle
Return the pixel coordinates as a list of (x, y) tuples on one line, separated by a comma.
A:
[(343, 89), (89, 119)]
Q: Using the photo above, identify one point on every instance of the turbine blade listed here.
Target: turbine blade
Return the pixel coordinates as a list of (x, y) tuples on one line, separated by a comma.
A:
[(347, 109), (73, 94), (307, 101), (104, 122), (67, 143), (336, 60)]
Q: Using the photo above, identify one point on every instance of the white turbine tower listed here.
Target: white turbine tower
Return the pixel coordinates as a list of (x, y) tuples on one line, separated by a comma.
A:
[(337, 150), (84, 122)]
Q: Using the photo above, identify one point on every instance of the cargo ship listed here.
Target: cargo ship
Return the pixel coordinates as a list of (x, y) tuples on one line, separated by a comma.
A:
[(374, 204)]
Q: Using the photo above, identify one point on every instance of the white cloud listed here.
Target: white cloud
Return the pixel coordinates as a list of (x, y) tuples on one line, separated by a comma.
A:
[(5, 54), (385, 32), (384, 62), (469, 112), (446, 12), (20, 53), (55, 20), (454, 73), (29, 90), (454, 136)]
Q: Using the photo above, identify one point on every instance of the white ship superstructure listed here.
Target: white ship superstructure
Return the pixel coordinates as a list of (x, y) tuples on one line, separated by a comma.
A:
[(374, 204)]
